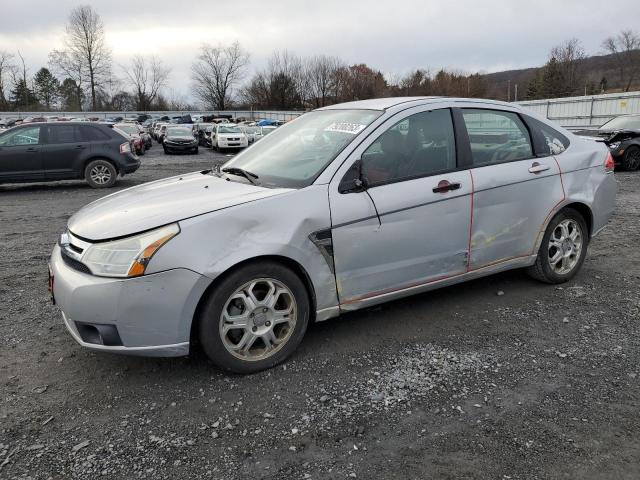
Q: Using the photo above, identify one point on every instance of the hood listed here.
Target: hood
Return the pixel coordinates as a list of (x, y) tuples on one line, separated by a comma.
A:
[(161, 202), (231, 135), (182, 138)]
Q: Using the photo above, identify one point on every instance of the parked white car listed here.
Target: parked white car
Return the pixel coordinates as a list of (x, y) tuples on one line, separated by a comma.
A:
[(228, 135)]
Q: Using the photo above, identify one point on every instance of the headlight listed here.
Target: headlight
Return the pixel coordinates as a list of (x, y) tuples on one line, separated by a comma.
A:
[(614, 145), (129, 256)]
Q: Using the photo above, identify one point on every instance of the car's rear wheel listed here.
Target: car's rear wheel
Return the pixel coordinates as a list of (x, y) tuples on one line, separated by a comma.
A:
[(255, 318), (563, 248), (100, 174), (631, 159)]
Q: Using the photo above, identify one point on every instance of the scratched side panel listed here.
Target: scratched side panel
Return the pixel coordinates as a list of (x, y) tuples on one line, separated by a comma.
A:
[(510, 205)]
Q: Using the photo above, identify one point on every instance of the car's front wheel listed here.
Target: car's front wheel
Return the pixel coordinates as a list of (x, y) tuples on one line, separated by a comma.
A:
[(631, 159), (100, 174), (255, 318), (563, 248)]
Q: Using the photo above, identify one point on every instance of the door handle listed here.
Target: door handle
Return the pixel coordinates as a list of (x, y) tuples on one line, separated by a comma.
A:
[(538, 167), (80, 147), (31, 150), (445, 186)]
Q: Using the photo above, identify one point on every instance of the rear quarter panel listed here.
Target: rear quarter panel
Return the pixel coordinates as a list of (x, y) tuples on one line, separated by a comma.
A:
[(586, 180)]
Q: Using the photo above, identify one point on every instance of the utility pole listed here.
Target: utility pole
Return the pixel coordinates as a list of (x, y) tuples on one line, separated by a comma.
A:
[(515, 95), (509, 90)]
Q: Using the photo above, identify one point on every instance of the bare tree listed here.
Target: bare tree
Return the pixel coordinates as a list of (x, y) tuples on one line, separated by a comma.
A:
[(146, 78), (625, 48), (216, 72), (321, 79), (7, 71), (69, 65), (569, 55), (85, 47)]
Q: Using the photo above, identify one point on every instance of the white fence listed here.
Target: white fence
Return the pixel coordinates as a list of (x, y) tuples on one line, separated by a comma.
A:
[(246, 114), (575, 113), (571, 112)]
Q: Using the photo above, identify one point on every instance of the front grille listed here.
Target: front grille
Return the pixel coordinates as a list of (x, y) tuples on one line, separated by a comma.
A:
[(75, 264)]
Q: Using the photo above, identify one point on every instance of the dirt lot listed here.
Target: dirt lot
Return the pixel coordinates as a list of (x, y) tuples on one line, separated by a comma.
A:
[(501, 378)]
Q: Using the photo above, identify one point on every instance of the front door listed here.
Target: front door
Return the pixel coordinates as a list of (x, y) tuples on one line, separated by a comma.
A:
[(411, 226), (20, 155)]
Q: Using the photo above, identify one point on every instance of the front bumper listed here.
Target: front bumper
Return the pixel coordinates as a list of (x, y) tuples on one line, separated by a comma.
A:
[(152, 314), (180, 147)]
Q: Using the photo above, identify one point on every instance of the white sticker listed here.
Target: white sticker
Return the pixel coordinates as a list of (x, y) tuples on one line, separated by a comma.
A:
[(345, 127)]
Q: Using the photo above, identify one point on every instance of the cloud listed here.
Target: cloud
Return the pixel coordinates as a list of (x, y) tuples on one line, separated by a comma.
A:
[(394, 37)]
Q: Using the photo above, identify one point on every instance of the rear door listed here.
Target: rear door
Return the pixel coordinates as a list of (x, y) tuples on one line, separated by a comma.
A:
[(64, 152), (20, 154), (514, 190)]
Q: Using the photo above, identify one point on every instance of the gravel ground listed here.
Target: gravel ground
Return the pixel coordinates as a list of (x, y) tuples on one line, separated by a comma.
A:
[(501, 378)]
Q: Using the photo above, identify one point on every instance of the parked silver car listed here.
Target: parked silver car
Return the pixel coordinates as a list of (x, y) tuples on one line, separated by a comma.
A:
[(345, 207)]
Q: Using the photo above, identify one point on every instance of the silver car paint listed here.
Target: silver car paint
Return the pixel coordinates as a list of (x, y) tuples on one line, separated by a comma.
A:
[(225, 223), (161, 202)]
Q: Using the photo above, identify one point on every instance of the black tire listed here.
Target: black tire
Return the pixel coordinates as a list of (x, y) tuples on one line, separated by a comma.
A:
[(542, 269), (631, 159), (196, 150), (100, 174), (166, 152), (210, 321)]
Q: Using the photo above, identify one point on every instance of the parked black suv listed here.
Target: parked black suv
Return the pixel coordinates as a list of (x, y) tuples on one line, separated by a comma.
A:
[(60, 151)]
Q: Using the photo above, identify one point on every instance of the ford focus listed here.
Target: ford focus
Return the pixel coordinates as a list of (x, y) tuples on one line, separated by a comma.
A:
[(343, 208)]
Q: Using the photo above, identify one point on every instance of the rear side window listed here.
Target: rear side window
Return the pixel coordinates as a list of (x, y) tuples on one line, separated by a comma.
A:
[(553, 142), (62, 134), (496, 136), (92, 134)]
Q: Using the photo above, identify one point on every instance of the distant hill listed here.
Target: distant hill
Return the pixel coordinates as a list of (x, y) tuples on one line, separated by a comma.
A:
[(593, 69)]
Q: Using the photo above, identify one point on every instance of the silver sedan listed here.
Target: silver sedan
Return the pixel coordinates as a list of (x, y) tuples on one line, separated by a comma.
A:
[(345, 207)]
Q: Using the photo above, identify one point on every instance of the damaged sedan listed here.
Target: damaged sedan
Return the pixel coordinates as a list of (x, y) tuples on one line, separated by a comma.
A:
[(622, 136), (343, 208)]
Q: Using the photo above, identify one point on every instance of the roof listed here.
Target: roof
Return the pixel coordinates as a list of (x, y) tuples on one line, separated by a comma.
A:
[(389, 102)]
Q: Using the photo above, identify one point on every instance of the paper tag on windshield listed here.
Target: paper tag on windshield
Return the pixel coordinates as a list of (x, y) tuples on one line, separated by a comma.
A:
[(345, 127)]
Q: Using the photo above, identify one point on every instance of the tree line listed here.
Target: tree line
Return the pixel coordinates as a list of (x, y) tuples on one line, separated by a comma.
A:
[(81, 76)]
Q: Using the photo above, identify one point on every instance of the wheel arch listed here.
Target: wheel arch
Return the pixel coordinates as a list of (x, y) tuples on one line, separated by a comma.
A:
[(290, 263), (584, 210)]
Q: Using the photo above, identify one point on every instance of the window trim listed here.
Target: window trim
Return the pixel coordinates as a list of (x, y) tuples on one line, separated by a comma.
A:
[(456, 142), (517, 114)]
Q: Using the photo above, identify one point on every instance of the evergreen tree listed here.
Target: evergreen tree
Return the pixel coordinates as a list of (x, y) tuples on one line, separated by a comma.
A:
[(71, 95), (46, 87), (21, 95)]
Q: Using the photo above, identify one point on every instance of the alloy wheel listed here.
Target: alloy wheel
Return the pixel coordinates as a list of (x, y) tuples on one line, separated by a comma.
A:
[(258, 319), (565, 246), (100, 174)]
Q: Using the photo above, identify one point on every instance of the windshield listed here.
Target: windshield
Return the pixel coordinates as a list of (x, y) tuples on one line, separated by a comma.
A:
[(228, 129), (179, 132), (296, 153), (623, 123)]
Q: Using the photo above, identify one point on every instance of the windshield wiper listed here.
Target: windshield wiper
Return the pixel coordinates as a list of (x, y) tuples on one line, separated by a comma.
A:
[(252, 177)]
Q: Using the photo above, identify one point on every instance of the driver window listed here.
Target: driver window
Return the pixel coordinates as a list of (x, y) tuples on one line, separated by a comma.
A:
[(417, 146), (22, 136), (496, 136)]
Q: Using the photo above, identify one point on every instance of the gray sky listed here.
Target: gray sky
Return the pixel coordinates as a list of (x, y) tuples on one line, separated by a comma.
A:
[(393, 36)]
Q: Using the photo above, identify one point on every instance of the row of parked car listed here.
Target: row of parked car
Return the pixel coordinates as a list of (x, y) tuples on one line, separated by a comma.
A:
[(219, 135)]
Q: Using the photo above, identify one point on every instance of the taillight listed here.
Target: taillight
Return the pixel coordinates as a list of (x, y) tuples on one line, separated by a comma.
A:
[(609, 164), (125, 148)]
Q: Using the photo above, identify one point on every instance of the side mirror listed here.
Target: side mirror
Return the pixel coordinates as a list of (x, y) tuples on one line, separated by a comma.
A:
[(354, 181)]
